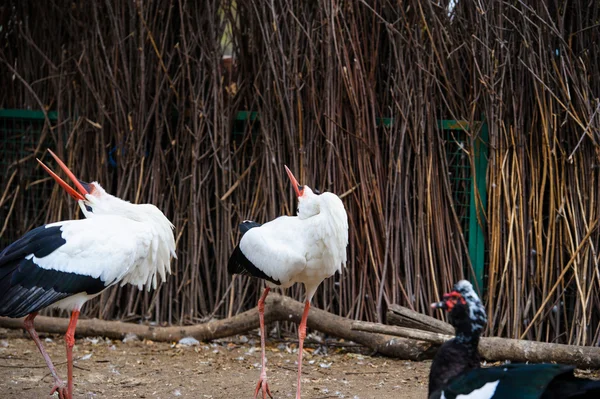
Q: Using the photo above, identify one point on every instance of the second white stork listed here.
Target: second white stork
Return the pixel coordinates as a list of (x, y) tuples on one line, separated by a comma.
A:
[(306, 249), (67, 263)]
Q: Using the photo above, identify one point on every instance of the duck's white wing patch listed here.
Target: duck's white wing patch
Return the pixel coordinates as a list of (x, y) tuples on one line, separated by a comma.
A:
[(485, 392)]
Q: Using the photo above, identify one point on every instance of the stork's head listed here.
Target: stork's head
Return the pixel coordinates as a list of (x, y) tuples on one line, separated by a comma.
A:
[(308, 201), (95, 201), (89, 196), (328, 213), (465, 311)]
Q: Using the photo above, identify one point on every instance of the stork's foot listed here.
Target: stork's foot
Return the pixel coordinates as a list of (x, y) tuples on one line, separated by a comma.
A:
[(61, 388), (262, 385)]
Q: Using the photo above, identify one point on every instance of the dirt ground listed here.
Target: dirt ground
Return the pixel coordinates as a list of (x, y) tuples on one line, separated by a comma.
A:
[(224, 369)]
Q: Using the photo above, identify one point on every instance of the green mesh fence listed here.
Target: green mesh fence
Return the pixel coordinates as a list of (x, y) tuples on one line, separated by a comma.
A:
[(468, 188), (24, 187), (459, 170)]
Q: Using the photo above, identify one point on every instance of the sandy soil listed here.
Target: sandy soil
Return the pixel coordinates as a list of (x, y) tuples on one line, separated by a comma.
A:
[(224, 369)]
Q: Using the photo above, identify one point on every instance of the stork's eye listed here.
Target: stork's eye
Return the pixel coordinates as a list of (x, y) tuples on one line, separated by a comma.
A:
[(89, 208)]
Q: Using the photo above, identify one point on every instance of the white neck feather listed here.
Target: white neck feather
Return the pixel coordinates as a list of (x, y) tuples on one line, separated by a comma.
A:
[(157, 261), (334, 224)]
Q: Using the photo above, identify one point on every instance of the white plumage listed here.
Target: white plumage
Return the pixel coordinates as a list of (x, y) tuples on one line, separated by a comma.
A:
[(67, 263), (111, 248), (306, 249)]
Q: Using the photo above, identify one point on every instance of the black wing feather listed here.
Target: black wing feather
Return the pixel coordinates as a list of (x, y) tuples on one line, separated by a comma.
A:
[(239, 264), (41, 241), (25, 287), (247, 225)]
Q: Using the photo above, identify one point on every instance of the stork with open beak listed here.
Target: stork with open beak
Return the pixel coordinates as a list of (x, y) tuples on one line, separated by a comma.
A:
[(67, 263), (306, 249)]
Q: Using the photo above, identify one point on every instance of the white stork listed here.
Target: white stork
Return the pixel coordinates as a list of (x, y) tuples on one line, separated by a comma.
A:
[(67, 263), (306, 249)]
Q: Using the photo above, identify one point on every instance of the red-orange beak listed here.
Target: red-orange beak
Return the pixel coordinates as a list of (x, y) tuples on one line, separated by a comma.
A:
[(70, 190), (297, 187)]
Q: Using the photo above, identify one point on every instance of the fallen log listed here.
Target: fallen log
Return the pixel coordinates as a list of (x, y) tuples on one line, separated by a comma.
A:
[(501, 349), (277, 308), (404, 317), (405, 332)]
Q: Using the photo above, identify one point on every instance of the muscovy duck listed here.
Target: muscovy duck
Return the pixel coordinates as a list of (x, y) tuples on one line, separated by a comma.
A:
[(456, 371)]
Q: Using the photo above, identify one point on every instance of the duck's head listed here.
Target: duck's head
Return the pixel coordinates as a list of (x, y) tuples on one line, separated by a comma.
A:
[(465, 310)]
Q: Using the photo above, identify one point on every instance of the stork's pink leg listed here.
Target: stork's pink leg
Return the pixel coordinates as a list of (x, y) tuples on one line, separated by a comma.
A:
[(301, 336), (70, 339), (262, 381), (59, 385)]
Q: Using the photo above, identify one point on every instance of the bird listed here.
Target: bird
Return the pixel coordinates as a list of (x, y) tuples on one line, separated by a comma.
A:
[(456, 370), (307, 248), (65, 264)]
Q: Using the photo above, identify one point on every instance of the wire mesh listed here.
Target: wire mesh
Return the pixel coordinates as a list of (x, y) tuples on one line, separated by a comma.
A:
[(26, 186)]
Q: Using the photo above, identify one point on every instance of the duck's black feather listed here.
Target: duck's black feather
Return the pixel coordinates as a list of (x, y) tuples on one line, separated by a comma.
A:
[(527, 381), (452, 359)]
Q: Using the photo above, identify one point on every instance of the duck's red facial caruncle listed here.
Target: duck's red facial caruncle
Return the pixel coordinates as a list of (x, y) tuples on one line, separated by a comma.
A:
[(449, 301), (454, 298)]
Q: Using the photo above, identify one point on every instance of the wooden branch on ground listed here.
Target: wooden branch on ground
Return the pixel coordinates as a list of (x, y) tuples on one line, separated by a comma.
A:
[(414, 344), (404, 317), (495, 348), (405, 332), (277, 308)]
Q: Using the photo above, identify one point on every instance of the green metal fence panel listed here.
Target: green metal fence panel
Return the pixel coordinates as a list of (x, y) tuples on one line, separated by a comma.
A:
[(26, 114), (478, 201), (245, 120), (469, 188)]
